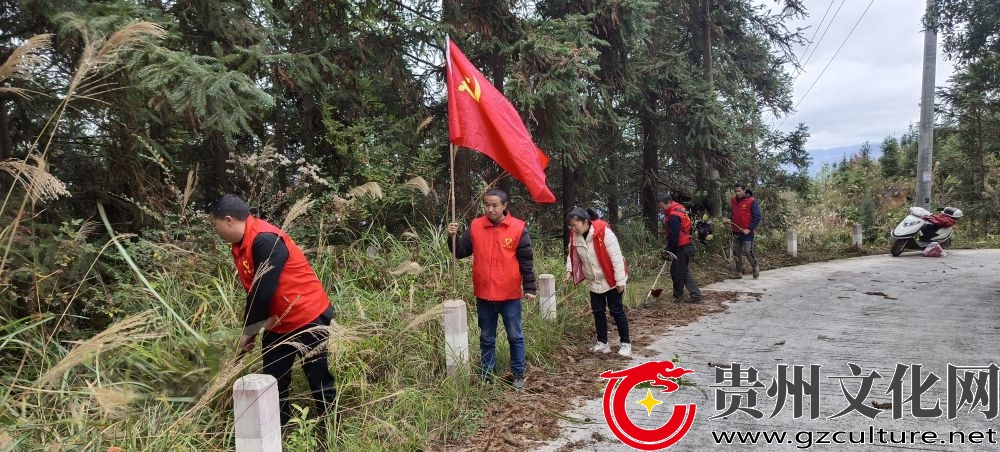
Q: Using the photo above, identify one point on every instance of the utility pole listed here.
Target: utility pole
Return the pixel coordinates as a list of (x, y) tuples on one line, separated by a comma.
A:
[(925, 147)]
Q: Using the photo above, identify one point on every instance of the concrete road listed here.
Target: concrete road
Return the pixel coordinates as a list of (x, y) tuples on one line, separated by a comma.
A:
[(928, 311)]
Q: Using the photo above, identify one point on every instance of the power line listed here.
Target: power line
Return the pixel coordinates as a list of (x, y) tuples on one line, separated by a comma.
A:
[(816, 31), (828, 26), (828, 62)]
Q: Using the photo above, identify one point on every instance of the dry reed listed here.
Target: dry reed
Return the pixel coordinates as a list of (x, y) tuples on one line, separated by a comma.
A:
[(419, 184), (40, 184), (22, 62), (298, 209), (130, 330), (371, 190)]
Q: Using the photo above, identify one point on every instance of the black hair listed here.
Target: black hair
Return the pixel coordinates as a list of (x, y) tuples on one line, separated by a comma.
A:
[(229, 205), (498, 193), (741, 185), (665, 197), (579, 213)]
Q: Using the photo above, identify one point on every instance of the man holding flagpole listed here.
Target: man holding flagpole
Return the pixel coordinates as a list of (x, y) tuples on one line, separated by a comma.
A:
[(502, 272), (482, 119)]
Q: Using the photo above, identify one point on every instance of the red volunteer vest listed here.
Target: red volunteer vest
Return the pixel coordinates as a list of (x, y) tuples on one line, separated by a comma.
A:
[(598, 228), (742, 213), (300, 297), (496, 274), (675, 208)]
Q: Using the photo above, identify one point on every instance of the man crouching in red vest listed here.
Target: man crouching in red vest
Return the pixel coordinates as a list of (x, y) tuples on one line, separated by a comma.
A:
[(677, 228), (502, 271), (285, 299)]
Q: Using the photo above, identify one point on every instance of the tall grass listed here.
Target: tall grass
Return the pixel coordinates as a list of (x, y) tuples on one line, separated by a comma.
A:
[(147, 383), (156, 380)]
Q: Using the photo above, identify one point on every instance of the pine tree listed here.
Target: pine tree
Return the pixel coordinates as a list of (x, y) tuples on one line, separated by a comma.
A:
[(889, 161)]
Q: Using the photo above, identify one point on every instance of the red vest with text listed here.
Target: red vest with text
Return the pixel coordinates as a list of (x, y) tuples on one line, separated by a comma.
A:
[(300, 297), (496, 274), (742, 213), (598, 227), (676, 208)]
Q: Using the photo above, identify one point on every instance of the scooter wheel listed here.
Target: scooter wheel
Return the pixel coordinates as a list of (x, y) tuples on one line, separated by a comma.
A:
[(898, 247), (946, 243)]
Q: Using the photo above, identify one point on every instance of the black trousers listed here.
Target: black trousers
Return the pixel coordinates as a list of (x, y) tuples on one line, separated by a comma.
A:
[(280, 351), (679, 272), (613, 300)]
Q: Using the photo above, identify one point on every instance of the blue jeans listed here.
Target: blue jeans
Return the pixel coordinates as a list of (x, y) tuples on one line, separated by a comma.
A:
[(510, 311)]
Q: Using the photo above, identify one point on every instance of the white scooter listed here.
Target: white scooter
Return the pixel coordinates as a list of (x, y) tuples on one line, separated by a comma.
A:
[(907, 233)]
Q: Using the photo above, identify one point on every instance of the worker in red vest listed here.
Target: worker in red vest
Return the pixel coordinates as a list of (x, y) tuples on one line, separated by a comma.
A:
[(502, 272), (594, 256), (677, 229), (285, 300), (743, 220)]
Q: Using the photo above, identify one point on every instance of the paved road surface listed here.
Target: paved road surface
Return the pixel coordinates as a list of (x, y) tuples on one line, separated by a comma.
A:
[(928, 311)]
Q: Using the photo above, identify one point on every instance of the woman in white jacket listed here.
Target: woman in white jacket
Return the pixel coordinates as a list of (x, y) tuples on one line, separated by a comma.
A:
[(594, 256)]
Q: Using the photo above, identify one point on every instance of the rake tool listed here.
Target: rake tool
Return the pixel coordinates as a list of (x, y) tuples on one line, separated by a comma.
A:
[(654, 292)]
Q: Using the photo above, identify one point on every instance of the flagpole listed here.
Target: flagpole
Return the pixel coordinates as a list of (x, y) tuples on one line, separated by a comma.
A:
[(452, 150), (454, 238)]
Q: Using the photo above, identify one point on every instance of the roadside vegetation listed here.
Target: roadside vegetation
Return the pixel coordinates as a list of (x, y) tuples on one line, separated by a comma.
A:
[(119, 307)]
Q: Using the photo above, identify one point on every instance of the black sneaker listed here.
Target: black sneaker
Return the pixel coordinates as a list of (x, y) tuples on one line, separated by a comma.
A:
[(518, 382), (736, 276), (756, 272), (695, 299)]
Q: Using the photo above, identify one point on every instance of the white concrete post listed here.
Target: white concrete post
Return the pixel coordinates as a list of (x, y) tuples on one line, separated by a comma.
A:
[(257, 413), (793, 243), (547, 295), (856, 235), (456, 336)]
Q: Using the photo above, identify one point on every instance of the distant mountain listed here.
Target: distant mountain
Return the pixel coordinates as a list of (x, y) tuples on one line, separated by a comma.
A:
[(821, 157)]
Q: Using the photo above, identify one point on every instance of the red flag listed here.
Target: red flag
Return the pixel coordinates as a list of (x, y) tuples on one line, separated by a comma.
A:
[(481, 118)]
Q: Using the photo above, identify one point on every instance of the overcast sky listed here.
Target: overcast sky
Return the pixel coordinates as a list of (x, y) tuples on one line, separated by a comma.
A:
[(872, 88)]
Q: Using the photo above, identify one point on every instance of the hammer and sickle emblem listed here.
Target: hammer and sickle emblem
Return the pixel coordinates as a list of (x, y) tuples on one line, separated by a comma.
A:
[(246, 265), (474, 92), (508, 243)]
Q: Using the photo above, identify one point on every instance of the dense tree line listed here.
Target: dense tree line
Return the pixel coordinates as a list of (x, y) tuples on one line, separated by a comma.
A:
[(967, 141), (629, 97)]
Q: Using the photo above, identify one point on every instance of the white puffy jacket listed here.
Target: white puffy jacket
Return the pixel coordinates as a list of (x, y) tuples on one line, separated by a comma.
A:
[(596, 282)]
